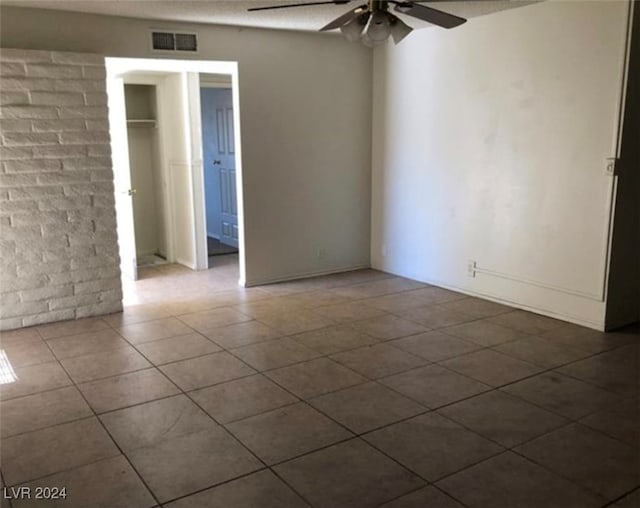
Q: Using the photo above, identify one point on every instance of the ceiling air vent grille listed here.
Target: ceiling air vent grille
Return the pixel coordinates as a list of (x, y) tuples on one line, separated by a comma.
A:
[(171, 41)]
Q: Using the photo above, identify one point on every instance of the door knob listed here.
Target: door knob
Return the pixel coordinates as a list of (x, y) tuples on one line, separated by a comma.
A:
[(131, 192), (216, 162)]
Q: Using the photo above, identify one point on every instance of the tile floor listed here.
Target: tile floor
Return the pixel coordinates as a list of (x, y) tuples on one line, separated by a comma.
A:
[(352, 390)]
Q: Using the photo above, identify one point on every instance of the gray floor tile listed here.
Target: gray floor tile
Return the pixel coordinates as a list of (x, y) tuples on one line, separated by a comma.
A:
[(527, 322), (258, 490), (19, 336), (365, 407), (622, 421), (108, 483), (502, 418), (438, 295), (54, 449), (379, 360), (541, 352), (318, 298), (427, 497), (289, 322), (271, 306), (274, 354), (42, 410), (476, 307), (563, 395), (434, 386), (100, 365), (347, 312), (177, 348), (126, 390), (287, 432), (631, 500), (381, 287), (315, 377), (348, 475), (435, 346), (589, 458), (28, 352), (86, 343), (492, 368), (65, 328), (399, 302), (154, 330), (388, 327), (432, 446), (241, 334), (215, 318), (617, 371), (510, 480), (588, 340), (433, 316), (242, 398), (206, 370), (334, 339), (135, 314), (154, 422), (187, 463), (35, 379), (485, 333)]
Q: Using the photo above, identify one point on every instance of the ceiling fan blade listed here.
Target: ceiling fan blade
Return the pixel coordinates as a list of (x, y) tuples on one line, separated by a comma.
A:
[(433, 16), (345, 18), (399, 29), (286, 6)]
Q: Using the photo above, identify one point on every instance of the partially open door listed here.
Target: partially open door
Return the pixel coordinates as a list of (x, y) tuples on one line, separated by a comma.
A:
[(122, 178)]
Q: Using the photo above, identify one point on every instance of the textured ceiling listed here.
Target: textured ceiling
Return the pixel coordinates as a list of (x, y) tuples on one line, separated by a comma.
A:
[(225, 12)]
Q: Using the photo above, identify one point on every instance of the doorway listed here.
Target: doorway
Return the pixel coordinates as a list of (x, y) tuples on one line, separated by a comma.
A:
[(157, 145), (218, 148), (146, 178)]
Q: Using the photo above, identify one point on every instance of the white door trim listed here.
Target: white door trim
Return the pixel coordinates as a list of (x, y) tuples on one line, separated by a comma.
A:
[(119, 67)]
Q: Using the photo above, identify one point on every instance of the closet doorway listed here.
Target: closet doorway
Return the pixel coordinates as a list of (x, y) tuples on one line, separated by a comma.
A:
[(146, 178)]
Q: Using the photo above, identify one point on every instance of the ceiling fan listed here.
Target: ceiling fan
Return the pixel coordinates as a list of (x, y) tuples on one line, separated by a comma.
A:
[(373, 23)]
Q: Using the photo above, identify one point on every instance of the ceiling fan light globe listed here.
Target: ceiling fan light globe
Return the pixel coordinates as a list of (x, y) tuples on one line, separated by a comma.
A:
[(352, 30), (372, 43), (378, 29)]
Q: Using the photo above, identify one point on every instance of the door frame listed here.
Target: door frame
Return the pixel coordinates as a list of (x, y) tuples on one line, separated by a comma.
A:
[(117, 68)]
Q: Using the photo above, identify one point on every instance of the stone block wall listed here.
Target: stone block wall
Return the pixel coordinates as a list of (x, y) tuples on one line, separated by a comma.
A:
[(58, 244)]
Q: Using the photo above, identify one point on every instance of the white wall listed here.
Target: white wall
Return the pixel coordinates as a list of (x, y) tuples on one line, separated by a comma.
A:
[(490, 143), (306, 130)]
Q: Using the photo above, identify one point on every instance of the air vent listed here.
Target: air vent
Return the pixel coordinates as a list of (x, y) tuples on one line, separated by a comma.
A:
[(186, 42), (172, 41)]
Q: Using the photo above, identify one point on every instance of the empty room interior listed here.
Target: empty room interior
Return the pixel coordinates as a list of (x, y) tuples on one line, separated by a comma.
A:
[(288, 254)]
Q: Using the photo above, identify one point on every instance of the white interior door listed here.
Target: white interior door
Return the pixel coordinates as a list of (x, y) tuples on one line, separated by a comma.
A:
[(122, 178)]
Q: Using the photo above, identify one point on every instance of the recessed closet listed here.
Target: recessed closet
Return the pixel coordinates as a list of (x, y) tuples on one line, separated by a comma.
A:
[(146, 177)]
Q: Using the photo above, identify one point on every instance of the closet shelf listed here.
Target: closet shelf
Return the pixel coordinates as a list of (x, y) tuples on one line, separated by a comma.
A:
[(141, 122)]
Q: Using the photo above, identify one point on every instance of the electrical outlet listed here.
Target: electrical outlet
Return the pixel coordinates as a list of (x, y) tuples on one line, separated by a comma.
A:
[(384, 250), (321, 253), (471, 268)]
